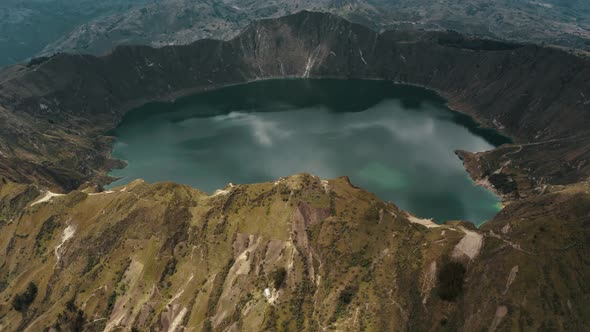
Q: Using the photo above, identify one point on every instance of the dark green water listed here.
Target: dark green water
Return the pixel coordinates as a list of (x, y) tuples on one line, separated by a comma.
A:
[(396, 141)]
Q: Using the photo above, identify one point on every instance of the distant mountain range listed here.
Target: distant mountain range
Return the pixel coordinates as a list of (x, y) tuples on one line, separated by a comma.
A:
[(32, 27)]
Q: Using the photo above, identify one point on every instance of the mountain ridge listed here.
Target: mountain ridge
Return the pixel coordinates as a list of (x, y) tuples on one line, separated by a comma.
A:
[(565, 25)]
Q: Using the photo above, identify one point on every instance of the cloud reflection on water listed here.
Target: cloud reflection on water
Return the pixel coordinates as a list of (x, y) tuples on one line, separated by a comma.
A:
[(403, 155)]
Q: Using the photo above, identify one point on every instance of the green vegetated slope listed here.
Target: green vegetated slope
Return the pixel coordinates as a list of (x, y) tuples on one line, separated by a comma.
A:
[(299, 254)]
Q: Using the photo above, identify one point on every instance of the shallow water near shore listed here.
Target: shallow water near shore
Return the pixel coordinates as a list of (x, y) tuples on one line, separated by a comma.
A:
[(394, 140)]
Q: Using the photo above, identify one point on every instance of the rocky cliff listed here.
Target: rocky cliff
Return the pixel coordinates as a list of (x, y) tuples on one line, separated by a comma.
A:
[(293, 254)]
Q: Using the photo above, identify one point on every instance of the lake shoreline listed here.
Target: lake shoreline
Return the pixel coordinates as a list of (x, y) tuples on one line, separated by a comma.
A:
[(329, 94)]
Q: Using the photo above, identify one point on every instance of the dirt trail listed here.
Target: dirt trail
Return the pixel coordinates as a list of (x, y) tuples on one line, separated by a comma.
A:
[(424, 222), (46, 198)]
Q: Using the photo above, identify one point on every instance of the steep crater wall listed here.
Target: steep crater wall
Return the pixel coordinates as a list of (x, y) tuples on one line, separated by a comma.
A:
[(56, 110)]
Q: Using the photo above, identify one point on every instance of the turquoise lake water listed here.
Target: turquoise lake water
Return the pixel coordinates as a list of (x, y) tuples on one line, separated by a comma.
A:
[(394, 140)]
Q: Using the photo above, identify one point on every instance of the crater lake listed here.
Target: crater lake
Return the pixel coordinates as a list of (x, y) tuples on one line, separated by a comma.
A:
[(394, 140)]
